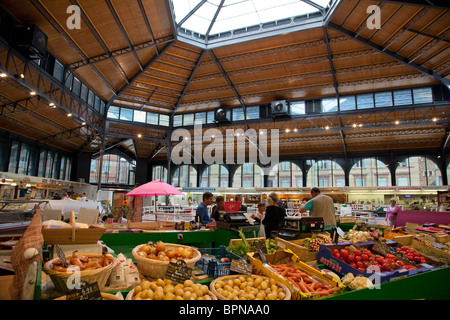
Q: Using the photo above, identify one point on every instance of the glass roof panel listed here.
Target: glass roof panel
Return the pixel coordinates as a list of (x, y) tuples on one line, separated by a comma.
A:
[(238, 14)]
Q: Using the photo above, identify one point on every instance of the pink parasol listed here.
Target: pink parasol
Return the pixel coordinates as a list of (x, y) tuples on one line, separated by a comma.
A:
[(154, 189)]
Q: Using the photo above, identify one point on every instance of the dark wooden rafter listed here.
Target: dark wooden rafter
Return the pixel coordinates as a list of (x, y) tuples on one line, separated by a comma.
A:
[(139, 73), (147, 23), (188, 82), (49, 17), (435, 4), (123, 31), (99, 39), (229, 82), (391, 54)]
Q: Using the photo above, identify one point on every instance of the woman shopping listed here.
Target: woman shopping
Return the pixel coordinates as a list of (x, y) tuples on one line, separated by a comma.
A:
[(392, 212)]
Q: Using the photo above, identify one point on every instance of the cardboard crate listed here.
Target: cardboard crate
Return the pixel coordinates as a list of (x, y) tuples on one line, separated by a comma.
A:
[(282, 256), (296, 247), (325, 257)]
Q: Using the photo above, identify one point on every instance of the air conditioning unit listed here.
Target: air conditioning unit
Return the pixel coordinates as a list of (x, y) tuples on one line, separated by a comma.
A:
[(313, 106), (222, 115), (30, 41), (279, 108)]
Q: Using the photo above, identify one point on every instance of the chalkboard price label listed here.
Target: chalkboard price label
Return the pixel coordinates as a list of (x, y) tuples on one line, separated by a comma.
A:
[(241, 266), (178, 271), (87, 291), (258, 245)]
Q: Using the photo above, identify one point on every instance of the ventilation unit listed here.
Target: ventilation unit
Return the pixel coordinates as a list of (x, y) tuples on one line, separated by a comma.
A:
[(222, 115), (30, 41), (279, 108)]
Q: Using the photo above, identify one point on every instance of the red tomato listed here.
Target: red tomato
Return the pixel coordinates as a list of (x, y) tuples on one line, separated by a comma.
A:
[(404, 248), (398, 249), (361, 270), (400, 263), (351, 258), (423, 260), (386, 267), (344, 253), (364, 257), (390, 256), (353, 265), (334, 252), (357, 252), (338, 256), (417, 259), (359, 264), (358, 258)]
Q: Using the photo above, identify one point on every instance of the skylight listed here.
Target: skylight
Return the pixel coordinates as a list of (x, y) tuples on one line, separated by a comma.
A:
[(216, 22)]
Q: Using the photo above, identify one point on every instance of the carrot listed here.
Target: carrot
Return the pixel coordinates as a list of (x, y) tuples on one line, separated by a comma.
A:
[(285, 271), (303, 287), (313, 285)]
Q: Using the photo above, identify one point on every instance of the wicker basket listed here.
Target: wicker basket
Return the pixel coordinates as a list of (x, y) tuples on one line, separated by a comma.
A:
[(212, 286), (156, 268), (100, 275), (105, 296), (131, 293)]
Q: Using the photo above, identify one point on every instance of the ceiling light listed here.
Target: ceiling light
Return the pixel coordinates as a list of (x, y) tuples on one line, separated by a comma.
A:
[(287, 130), (69, 114), (139, 135), (3, 75), (397, 122), (22, 76), (33, 93), (295, 130), (327, 127), (360, 125), (354, 125), (83, 123), (51, 104), (434, 119)]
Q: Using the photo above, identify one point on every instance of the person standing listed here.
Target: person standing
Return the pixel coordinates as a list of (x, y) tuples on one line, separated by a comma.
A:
[(202, 214), (215, 211), (259, 214), (274, 215), (392, 212), (321, 206), (239, 197)]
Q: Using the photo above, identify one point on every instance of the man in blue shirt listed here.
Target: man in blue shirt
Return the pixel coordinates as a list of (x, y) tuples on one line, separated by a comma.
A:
[(202, 213)]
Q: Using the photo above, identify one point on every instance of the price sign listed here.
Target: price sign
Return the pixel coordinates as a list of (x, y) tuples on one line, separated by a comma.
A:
[(258, 245), (241, 266), (87, 291), (61, 255), (178, 271)]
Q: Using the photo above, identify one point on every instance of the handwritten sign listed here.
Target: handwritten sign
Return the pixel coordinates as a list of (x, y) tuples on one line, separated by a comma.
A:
[(258, 245), (178, 271), (241, 266), (87, 291)]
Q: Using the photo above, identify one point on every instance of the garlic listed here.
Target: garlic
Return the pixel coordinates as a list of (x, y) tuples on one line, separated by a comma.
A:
[(30, 253)]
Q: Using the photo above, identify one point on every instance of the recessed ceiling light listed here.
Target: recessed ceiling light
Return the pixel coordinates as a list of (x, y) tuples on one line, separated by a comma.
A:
[(83, 123), (354, 125), (3, 75), (434, 119), (397, 122), (51, 104), (139, 135), (327, 127), (69, 114), (295, 130), (33, 93), (22, 76), (287, 130), (360, 125)]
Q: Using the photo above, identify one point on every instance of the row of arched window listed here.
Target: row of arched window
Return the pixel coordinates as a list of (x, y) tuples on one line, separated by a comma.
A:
[(367, 172)]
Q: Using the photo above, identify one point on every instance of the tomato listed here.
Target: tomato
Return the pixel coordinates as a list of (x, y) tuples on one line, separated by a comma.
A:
[(404, 248), (359, 264), (361, 270), (364, 257), (344, 253), (423, 260), (410, 251), (334, 252), (366, 264), (386, 267), (398, 250), (390, 256), (357, 252), (358, 258), (417, 259), (366, 251), (337, 256), (400, 263), (351, 258), (353, 265), (380, 260)]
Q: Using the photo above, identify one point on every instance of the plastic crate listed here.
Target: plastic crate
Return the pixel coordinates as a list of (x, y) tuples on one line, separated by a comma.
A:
[(212, 267)]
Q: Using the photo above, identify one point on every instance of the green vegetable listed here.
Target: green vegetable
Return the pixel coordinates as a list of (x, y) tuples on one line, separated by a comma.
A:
[(240, 248), (271, 246)]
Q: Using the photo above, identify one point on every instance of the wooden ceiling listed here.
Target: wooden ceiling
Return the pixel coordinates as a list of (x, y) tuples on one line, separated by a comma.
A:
[(128, 53)]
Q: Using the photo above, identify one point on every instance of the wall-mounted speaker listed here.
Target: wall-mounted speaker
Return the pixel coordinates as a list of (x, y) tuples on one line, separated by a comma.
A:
[(279, 108), (222, 115), (30, 41)]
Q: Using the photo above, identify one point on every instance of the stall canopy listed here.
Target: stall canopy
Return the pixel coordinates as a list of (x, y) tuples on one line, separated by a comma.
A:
[(154, 189)]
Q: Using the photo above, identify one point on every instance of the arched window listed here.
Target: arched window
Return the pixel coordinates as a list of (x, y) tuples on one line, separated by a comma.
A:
[(248, 175), (285, 174), (369, 172), (159, 173), (215, 175), (116, 170), (418, 171), (184, 176), (324, 173)]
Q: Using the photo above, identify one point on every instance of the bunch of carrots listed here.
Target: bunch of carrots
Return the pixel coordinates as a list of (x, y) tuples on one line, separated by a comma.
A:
[(304, 282)]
